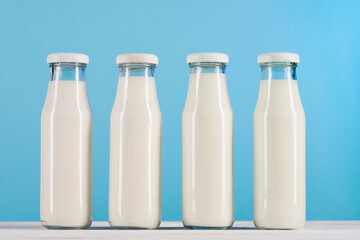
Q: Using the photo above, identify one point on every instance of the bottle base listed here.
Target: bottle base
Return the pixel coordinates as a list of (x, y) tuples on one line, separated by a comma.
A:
[(186, 226), (64, 227), (130, 228), (206, 228), (274, 227), (279, 228), (124, 227)]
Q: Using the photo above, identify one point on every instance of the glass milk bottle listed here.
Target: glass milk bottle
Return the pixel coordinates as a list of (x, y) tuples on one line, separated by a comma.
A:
[(66, 145), (135, 146), (279, 145), (207, 145)]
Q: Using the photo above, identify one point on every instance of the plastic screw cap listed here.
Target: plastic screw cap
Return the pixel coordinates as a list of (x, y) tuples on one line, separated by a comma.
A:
[(278, 57), (68, 57), (137, 58), (207, 57)]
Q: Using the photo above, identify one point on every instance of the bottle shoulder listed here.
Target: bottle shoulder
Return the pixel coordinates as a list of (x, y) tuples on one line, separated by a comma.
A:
[(279, 113), (56, 112), (215, 112), (131, 111), (208, 107)]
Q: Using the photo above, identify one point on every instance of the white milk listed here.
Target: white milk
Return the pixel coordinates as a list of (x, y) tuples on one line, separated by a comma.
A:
[(279, 156), (135, 155), (207, 162), (66, 139)]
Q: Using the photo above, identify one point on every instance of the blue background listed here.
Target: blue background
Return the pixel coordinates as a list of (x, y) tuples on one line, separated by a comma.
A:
[(324, 33)]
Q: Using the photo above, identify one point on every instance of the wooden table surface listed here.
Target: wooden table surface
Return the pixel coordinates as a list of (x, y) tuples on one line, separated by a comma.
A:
[(174, 230)]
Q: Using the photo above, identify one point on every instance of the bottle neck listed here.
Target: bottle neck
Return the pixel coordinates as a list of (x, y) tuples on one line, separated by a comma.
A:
[(137, 70), (279, 71), (202, 67), (67, 72)]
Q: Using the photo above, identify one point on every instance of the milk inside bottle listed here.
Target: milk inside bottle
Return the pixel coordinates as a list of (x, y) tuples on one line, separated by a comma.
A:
[(279, 145), (207, 145), (66, 144), (135, 146)]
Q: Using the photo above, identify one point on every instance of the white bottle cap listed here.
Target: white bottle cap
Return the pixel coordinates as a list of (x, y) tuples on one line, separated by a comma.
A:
[(278, 57), (137, 58), (207, 57), (68, 57)]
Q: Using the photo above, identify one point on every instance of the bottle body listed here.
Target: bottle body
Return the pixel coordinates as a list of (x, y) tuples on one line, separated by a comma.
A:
[(66, 151), (207, 148), (135, 150), (279, 150)]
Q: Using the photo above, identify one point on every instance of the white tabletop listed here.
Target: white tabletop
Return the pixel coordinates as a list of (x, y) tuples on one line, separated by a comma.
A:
[(174, 230)]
